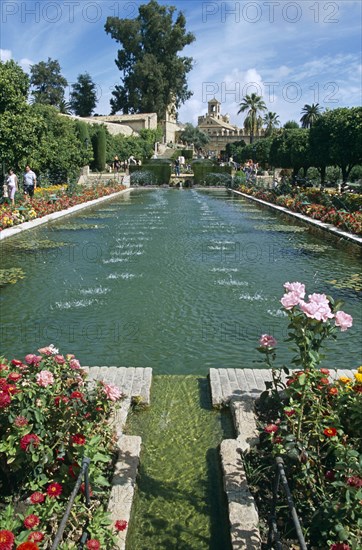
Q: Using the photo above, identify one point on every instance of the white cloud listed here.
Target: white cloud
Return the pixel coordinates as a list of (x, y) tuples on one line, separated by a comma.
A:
[(5, 55)]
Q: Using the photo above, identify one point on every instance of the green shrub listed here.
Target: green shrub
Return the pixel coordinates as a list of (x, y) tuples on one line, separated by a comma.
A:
[(99, 149), (201, 168)]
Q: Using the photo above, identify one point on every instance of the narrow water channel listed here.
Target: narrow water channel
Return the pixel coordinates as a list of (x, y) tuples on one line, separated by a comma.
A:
[(180, 503)]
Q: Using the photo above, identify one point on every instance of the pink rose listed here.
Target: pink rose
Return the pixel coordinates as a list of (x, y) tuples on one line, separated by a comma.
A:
[(30, 358), (74, 364), (112, 392), (48, 350), (59, 359), (267, 341), (343, 320), (317, 307), (290, 299), (45, 378), (297, 288)]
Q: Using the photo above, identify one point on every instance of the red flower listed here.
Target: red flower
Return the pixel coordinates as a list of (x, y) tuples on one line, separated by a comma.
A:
[(78, 439), (14, 376), (76, 395), (36, 536), (271, 428), (6, 539), (54, 490), (354, 481), (324, 381), (121, 524), (29, 439), (28, 545), (93, 544), (82, 489), (330, 432), (333, 391), (20, 421), (60, 399), (31, 521), (71, 469), (330, 475), (324, 371), (37, 498), (340, 546), (5, 399), (16, 362)]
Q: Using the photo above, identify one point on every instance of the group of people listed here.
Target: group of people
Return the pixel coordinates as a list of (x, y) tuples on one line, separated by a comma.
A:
[(12, 184), (118, 165)]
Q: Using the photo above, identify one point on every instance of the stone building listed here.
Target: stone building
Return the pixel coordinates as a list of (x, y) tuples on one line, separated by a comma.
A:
[(217, 126)]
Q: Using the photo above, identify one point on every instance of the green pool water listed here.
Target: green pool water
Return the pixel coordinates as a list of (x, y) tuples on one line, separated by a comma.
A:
[(179, 501), (176, 280)]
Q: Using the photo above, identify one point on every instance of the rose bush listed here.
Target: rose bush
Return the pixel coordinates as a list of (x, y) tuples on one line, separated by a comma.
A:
[(51, 417), (41, 205), (313, 421), (326, 208)]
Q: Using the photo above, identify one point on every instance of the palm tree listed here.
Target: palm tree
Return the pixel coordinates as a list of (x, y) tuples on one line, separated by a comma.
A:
[(310, 114), (271, 121), (252, 104)]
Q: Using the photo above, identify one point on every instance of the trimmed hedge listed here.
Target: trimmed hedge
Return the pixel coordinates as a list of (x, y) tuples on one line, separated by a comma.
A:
[(201, 168), (160, 170)]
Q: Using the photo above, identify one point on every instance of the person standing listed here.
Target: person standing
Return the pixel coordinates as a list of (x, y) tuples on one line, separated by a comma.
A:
[(29, 181), (12, 183)]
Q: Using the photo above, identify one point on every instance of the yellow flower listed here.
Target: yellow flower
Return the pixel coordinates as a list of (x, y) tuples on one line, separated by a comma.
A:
[(358, 377), (359, 369), (344, 379)]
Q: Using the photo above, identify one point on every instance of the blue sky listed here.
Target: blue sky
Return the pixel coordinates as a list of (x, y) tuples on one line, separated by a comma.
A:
[(290, 52)]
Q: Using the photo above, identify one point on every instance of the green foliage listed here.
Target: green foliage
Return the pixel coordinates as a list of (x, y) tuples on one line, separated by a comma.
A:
[(154, 75), (252, 105), (99, 144), (57, 155), (335, 139), (291, 149), (187, 154), (83, 96), (310, 114), (47, 82), (51, 418), (202, 168), (194, 136), (85, 141), (160, 171), (291, 125), (11, 276), (14, 87), (314, 424)]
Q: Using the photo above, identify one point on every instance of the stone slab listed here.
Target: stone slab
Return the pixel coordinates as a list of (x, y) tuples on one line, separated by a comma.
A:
[(227, 384), (243, 514), (124, 483)]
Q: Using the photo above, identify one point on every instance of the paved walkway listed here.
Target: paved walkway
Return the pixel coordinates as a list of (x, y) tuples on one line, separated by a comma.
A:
[(232, 383)]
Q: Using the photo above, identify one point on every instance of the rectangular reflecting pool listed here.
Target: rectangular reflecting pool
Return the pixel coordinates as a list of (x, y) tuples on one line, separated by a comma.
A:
[(176, 280)]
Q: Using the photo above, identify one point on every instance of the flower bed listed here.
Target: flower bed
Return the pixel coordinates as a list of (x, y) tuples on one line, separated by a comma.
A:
[(41, 204), (314, 423), (324, 210), (50, 418)]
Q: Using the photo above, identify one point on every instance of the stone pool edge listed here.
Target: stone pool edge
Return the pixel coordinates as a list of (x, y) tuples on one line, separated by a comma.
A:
[(11, 231), (325, 226)]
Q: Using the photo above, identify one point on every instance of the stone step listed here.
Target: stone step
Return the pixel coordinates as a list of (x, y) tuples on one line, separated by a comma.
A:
[(243, 514), (227, 384), (124, 484)]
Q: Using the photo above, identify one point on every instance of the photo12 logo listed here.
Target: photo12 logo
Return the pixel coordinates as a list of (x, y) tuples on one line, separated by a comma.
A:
[(254, 12), (70, 12), (290, 92)]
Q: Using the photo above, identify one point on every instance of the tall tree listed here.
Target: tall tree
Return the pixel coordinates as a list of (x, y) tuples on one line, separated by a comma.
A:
[(336, 139), (271, 121), (14, 86), (310, 113), (291, 125), (153, 74), (253, 105), (48, 83), (83, 97), (194, 136)]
